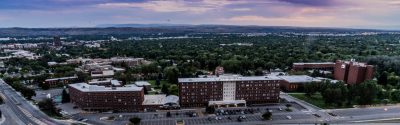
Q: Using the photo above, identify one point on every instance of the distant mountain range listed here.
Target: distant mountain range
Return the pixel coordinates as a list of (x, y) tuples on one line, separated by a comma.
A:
[(120, 29), (140, 25)]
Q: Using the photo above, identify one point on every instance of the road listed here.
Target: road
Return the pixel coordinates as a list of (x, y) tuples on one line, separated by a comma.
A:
[(20, 111)]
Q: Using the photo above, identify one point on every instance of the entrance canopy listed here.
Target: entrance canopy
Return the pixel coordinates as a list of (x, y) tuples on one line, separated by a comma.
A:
[(227, 103)]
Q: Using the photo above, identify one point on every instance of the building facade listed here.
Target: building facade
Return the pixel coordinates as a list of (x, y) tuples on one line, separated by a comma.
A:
[(101, 98), (296, 82), (58, 82), (228, 90), (313, 66), (353, 72)]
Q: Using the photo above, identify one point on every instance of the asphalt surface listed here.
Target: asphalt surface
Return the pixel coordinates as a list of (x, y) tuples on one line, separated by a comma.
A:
[(303, 113), (21, 111)]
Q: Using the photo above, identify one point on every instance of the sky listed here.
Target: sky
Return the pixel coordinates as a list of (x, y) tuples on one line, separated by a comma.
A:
[(382, 14)]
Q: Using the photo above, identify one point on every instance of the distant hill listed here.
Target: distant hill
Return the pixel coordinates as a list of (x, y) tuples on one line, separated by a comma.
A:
[(139, 25), (121, 29)]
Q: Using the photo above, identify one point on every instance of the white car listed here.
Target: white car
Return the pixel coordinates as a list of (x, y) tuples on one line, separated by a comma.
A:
[(288, 117)]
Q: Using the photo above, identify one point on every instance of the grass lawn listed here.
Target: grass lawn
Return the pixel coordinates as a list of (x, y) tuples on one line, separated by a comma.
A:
[(316, 100), (153, 83)]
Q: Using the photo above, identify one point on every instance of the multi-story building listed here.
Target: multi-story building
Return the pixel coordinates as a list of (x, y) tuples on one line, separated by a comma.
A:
[(101, 98), (228, 90), (314, 66), (353, 72), (57, 41), (57, 82)]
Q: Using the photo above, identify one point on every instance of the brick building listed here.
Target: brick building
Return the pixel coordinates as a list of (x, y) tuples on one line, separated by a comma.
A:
[(313, 66), (353, 72), (296, 82), (58, 82), (228, 90), (101, 98)]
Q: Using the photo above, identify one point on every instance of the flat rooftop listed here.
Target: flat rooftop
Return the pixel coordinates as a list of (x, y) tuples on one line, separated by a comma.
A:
[(229, 78), (84, 87), (61, 78), (299, 79), (154, 99), (142, 83)]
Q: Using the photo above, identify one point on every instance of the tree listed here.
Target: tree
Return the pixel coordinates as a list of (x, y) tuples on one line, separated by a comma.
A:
[(396, 95), (164, 89), (210, 109), (311, 88), (367, 92), (259, 72), (48, 107), (172, 74), (383, 78), (158, 83), (44, 85), (65, 97), (335, 93), (28, 92), (145, 90), (267, 115), (82, 77), (135, 120), (173, 89), (288, 105)]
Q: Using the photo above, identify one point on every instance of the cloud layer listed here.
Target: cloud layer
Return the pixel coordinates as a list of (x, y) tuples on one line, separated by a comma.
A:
[(86, 13)]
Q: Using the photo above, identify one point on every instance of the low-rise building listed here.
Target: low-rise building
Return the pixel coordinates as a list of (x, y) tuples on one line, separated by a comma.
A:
[(296, 82), (100, 98), (314, 66), (144, 84), (109, 82), (161, 101), (128, 61), (58, 82)]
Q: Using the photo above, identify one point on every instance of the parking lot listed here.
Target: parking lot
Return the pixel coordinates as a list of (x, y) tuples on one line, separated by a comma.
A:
[(158, 122), (196, 116), (249, 118)]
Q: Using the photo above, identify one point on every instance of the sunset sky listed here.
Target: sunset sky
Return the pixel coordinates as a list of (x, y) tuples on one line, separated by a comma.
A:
[(383, 14)]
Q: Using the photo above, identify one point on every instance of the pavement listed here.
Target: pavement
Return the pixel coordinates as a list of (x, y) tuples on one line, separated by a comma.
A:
[(303, 113), (22, 112)]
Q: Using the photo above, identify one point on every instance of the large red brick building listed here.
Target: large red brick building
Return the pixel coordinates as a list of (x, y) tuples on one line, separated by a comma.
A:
[(228, 90), (353, 72), (101, 98)]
